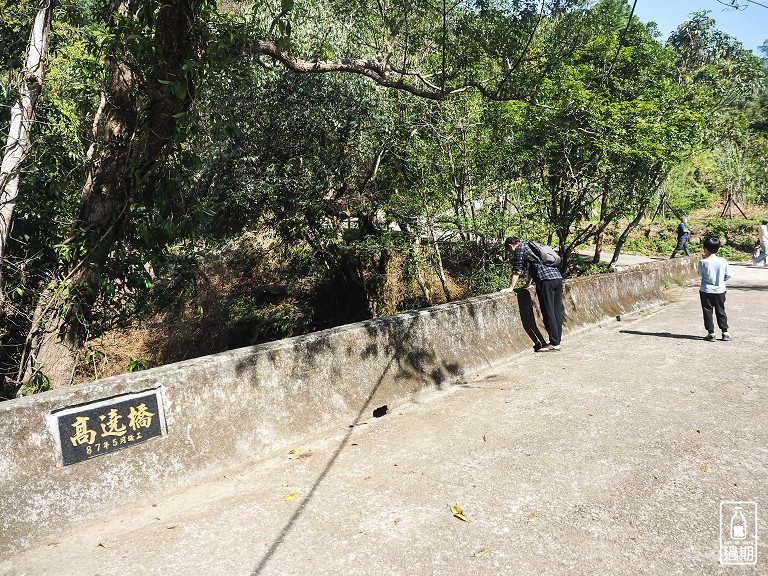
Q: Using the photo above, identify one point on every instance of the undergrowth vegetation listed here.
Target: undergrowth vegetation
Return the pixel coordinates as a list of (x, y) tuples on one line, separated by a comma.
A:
[(256, 290)]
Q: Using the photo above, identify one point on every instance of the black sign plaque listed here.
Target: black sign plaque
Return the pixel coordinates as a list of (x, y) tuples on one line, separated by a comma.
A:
[(102, 427)]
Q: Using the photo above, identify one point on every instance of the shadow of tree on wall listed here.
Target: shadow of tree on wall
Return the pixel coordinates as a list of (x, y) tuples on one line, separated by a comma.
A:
[(408, 358)]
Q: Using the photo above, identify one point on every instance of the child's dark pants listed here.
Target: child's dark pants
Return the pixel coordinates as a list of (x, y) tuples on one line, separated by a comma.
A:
[(716, 302)]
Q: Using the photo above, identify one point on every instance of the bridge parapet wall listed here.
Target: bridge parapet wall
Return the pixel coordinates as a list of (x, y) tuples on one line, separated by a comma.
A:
[(236, 407)]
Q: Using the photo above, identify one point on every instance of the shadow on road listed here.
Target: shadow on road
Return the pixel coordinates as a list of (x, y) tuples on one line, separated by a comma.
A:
[(661, 334), (748, 287)]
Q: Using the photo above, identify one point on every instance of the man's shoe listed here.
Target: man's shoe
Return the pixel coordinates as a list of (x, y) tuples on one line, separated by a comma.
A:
[(710, 337), (549, 348), (726, 336)]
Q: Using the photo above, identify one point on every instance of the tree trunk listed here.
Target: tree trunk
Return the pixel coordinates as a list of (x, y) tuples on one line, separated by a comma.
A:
[(416, 251), (137, 127), (439, 262), (625, 234), (600, 237), (22, 116)]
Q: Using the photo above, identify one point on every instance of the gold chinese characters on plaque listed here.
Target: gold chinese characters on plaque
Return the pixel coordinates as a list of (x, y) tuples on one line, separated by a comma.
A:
[(106, 426)]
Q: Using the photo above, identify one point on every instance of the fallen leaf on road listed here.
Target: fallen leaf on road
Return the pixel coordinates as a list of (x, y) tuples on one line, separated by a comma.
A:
[(705, 469), (458, 513), (291, 497), (482, 552), (532, 518), (293, 454)]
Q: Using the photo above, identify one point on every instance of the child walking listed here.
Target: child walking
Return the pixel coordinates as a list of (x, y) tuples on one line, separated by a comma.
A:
[(714, 271)]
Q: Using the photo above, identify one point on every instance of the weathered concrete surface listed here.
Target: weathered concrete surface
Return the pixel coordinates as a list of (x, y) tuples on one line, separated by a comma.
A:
[(610, 457), (235, 408)]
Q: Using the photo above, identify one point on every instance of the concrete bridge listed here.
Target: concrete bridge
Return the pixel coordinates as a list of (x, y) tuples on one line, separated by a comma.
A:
[(637, 449)]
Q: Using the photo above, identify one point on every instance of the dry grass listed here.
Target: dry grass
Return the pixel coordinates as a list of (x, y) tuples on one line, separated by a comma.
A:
[(242, 297)]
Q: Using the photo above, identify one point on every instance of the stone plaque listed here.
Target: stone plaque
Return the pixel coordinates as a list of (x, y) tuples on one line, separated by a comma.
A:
[(96, 429)]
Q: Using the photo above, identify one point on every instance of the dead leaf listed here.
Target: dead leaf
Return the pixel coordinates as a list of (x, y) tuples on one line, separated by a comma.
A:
[(458, 513), (532, 518), (705, 469), (291, 497), (482, 552)]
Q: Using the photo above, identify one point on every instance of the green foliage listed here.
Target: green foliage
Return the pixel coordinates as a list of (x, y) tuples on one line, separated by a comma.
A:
[(15, 25), (587, 267), (488, 279), (39, 382), (137, 365), (692, 184), (369, 198), (738, 236)]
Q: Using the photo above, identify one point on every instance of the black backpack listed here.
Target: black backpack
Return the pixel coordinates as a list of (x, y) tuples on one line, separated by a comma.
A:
[(546, 254)]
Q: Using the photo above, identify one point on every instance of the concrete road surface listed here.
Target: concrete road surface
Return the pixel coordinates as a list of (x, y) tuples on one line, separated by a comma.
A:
[(614, 456)]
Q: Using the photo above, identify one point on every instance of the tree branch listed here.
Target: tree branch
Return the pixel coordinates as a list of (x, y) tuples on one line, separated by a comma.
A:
[(379, 71)]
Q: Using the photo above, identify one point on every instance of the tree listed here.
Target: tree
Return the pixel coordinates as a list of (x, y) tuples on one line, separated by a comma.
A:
[(152, 61), (723, 77), (17, 146), (139, 123), (613, 123), (552, 58)]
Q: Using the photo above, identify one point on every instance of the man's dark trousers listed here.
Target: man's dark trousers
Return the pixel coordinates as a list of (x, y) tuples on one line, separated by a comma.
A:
[(550, 294), (682, 244)]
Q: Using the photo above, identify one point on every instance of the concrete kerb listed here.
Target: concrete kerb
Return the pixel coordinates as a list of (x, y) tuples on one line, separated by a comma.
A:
[(239, 406)]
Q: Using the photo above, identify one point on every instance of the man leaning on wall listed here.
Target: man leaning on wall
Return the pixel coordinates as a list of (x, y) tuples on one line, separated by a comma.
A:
[(549, 288)]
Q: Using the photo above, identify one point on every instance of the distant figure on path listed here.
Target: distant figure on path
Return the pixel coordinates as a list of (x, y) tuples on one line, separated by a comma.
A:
[(683, 233), (549, 288), (714, 271), (762, 237)]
